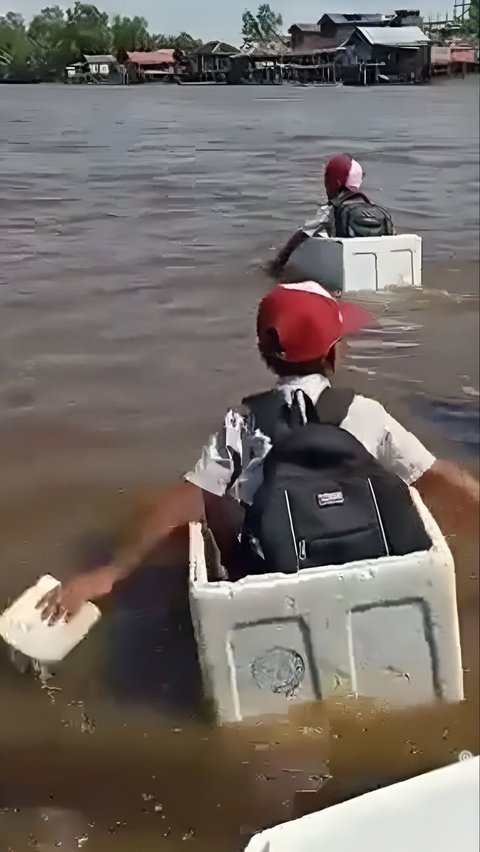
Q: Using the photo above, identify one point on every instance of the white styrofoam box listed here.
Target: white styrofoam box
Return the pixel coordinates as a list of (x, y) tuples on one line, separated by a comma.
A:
[(385, 628), (354, 264), (21, 625), (438, 810)]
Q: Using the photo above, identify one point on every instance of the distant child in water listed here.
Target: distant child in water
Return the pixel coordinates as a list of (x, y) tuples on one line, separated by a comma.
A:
[(343, 180)]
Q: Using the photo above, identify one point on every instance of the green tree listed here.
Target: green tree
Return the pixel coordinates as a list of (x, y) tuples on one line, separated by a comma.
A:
[(183, 42), (473, 22), (130, 34), (50, 36), (88, 30), (263, 27), (17, 53)]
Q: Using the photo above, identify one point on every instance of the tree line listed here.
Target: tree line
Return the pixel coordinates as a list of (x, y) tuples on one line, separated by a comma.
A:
[(57, 37)]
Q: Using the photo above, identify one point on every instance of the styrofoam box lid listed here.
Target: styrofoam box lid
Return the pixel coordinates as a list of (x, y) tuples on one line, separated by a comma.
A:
[(438, 810), (21, 625)]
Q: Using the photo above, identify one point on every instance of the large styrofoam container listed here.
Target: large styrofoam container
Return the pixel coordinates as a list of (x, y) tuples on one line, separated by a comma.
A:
[(354, 264), (436, 811), (385, 628), (21, 625)]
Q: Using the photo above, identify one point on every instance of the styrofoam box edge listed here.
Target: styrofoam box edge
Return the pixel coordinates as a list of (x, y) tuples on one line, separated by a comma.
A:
[(201, 587)]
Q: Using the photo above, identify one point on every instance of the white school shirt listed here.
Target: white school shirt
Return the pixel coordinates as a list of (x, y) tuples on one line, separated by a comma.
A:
[(395, 448), (324, 223)]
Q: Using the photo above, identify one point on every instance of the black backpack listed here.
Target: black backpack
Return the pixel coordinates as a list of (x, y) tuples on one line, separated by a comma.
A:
[(356, 216), (324, 500)]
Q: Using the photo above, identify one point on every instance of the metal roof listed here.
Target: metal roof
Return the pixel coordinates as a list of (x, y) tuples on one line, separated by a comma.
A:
[(152, 57), (306, 28), (356, 17), (216, 48), (394, 36), (100, 59)]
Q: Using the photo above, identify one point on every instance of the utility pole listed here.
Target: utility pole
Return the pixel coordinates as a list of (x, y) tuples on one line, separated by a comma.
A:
[(461, 10), (460, 14)]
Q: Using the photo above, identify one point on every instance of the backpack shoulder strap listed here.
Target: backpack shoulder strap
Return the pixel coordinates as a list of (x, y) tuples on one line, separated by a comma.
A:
[(267, 409), (350, 197), (333, 404)]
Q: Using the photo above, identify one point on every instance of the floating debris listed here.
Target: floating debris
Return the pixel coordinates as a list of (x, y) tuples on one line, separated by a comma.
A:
[(261, 746), (148, 797), (189, 834), (397, 673), (414, 747), (158, 808), (88, 725), (80, 841)]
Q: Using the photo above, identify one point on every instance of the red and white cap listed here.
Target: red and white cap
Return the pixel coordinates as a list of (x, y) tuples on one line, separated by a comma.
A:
[(302, 322), (342, 172)]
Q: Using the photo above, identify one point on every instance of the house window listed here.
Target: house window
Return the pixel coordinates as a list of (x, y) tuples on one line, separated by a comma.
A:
[(94, 69), (104, 69)]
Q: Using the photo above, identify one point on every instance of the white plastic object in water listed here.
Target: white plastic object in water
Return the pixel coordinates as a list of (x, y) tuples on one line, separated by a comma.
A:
[(360, 263), (21, 625), (436, 811), (384, 628)]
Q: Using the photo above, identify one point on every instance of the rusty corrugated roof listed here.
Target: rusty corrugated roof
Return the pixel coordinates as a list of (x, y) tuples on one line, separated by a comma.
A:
[(152, 57)]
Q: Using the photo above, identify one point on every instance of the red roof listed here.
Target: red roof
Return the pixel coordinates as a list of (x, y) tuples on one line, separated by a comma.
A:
[(152, 57)]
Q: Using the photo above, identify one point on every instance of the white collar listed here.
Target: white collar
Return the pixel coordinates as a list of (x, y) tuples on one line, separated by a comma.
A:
[(313, 385)]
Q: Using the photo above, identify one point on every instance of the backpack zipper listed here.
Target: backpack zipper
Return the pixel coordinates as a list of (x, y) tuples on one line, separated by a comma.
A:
[(379, 517), (302, 550), (292, 529)]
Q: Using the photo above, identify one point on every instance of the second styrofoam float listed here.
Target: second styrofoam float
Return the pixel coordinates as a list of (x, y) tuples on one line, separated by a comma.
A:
[(360, 264)]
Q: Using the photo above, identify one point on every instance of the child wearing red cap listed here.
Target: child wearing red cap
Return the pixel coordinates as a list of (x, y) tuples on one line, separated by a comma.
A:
[(298, 327)]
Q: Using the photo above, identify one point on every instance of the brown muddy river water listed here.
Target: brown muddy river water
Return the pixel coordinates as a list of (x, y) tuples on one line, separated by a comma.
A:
[(133, 225)]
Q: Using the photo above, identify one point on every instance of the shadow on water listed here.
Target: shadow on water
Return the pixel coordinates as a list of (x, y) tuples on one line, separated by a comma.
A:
[(457, 422), (151, 647)]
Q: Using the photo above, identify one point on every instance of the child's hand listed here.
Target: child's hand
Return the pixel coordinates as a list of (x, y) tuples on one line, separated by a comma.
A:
[(65, 601)]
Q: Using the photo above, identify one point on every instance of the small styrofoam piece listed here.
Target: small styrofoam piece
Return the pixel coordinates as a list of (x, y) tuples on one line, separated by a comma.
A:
[(21, 625), (438, 810), (384, 628), (360, 263)]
